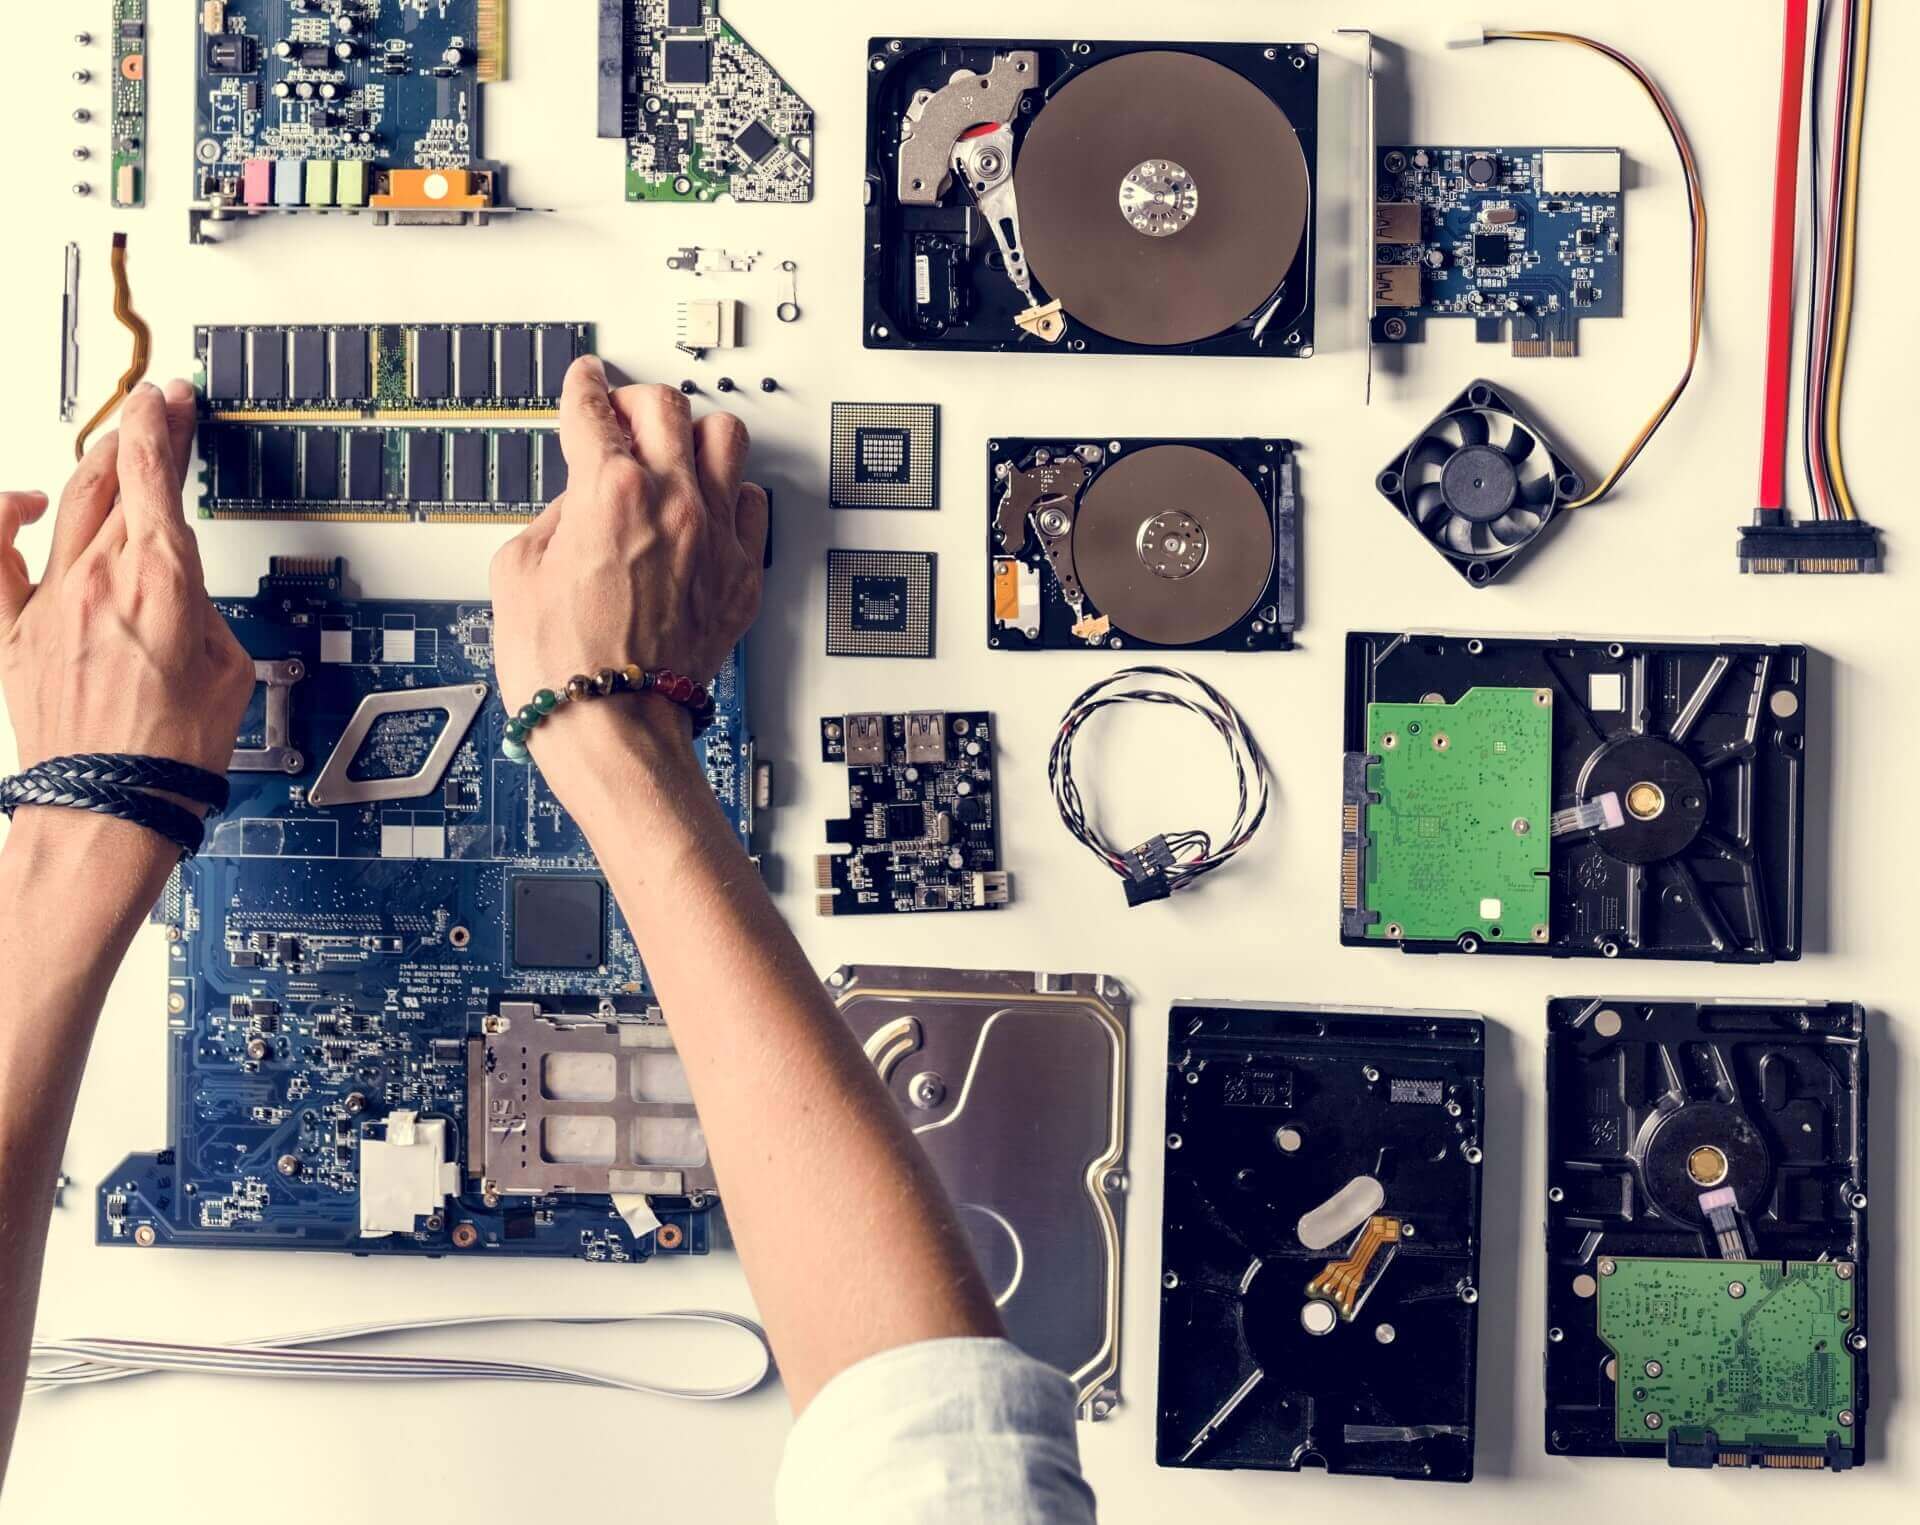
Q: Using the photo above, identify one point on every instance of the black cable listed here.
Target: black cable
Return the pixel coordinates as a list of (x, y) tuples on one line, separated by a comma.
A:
[(1175, 860)]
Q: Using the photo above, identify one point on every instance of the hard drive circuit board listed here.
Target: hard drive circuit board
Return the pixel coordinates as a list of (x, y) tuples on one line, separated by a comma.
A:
[(385, 907), (704, 116), (922, 831)]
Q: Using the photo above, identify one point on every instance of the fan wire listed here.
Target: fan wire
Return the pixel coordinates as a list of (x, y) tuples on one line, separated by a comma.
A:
[(1697, 215)]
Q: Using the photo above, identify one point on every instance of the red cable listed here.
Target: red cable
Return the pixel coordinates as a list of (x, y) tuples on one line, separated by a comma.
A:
[(1826, 273), (1786, 218)]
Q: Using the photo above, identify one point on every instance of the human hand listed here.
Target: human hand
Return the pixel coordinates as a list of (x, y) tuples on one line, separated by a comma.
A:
[(118, 648), (652, 556)]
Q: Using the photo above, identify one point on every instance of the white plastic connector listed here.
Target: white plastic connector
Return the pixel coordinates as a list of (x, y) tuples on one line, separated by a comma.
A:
[(1468, 40)]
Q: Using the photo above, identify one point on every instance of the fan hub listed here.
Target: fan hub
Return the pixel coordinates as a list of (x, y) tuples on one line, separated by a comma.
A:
[(1480, 483)]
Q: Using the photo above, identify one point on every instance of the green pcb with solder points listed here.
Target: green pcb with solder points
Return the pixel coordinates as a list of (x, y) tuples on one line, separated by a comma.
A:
[(1458, 820), (1754, 1351)]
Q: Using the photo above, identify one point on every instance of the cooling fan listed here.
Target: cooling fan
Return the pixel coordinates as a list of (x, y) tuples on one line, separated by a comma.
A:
[(1482, 483)]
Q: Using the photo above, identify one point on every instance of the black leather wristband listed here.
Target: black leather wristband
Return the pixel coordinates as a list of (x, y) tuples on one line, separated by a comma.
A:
[(179, 826), (131, 771)]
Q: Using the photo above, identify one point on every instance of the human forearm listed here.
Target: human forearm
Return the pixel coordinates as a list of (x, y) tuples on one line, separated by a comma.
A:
[(848, 1239), (73, 889)]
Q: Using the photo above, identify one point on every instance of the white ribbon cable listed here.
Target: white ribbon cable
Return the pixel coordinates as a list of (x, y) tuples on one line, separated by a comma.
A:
[(56, 1364)]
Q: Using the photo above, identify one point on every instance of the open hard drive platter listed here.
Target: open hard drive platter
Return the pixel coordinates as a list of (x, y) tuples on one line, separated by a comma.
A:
[(1105, 197)]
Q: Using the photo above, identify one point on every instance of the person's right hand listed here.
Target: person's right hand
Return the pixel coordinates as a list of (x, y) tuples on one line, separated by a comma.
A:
[(652, 556), (118, 648)]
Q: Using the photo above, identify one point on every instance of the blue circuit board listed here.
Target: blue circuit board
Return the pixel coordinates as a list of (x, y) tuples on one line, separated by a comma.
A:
[(1524, 241), (339, 969), (350, 106)]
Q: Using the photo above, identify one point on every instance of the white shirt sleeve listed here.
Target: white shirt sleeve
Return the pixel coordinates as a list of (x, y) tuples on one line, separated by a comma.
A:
[(958, 1432)]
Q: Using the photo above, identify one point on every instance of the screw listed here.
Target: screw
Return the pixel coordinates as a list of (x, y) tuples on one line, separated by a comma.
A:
[(84, 39), (1844, 1270), (1371, 1073), (1736, 1289), (926, 1090), (1522, 827), (81, 188), (287, 1165), (725, 384), (1654, 1368), (82, 76), (1654, 1421), (768, 384), (689, 387), (83, 152), (1607, 1268), (81, 114), (1846, 1419)]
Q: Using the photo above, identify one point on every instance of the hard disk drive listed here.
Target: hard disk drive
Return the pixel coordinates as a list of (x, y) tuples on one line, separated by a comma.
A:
[(1607, 799), (1015, 1085), (1091, 196), (1142, 543), (1320, 1265), (1707, 1232)]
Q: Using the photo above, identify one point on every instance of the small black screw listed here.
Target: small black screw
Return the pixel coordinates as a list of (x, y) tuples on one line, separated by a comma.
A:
[(768, 384), (689, 387), (725, 384)]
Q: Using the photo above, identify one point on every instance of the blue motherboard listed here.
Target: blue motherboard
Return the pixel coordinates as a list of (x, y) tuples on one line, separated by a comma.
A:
[(1525, 241), (400, 990)]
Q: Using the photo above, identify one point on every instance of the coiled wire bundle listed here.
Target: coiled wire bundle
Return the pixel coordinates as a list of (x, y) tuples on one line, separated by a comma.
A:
[(1175, 860)]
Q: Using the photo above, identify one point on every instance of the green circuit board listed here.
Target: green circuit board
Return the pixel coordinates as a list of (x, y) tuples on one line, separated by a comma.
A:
[(1753, 1351), (129, 103), (1459, 828)]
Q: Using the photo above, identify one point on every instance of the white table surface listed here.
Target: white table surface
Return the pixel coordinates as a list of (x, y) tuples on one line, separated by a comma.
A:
[(1658, 561)]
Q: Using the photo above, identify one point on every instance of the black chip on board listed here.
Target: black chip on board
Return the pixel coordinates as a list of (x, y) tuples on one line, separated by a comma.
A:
[(756, 142), (556, 354), (321, 481), (226, 365), (350, 379), (1492, 250), (513, 469), (473, 369), (553, 467), (684, 13), (516, 362), (687, 62), (279, 465), (232, 464), (309, 365), (268, 374), (433, 365), (426, 457), (559, 923), (469, 467), (366, 466)]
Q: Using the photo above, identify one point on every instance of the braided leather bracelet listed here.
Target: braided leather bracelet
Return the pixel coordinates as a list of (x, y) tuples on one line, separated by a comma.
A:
[(661, 682), (116, 785)]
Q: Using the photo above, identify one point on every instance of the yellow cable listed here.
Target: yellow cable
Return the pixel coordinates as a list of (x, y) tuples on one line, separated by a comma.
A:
[(142, 347), (1697, 207), (1849, 238)]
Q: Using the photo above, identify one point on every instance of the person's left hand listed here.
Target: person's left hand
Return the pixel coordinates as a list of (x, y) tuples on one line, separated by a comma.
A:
[(118, 648)]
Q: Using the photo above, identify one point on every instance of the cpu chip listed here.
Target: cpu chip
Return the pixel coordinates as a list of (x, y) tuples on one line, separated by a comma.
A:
[(880, 603)]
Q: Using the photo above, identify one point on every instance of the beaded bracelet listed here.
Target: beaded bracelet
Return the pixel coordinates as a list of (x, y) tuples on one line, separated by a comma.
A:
[(662, 682)]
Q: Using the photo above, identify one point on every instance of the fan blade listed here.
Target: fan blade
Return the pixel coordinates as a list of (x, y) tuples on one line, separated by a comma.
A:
[(1431, 451), (1429, 501), (1515, 527), (1537, 492), (1458, 534), (1472, 426), (1520, 445)]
